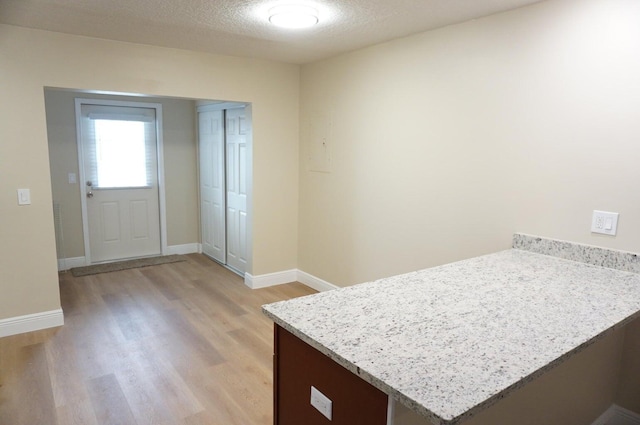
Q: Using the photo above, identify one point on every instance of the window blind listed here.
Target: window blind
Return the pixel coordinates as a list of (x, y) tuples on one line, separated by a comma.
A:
[(119, 146)]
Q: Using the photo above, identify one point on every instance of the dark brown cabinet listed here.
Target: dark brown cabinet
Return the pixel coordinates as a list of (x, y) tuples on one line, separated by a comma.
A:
[(298, 366)]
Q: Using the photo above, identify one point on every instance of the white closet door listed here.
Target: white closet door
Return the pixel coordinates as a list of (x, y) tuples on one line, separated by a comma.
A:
[(212, 184), (237, 130)]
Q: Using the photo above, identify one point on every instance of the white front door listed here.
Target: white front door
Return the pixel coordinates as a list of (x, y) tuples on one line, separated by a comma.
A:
[(212, 183), (118, 155), (237, 131)]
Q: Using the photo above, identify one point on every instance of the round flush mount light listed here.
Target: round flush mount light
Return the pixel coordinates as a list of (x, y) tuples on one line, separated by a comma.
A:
[(293, 16)]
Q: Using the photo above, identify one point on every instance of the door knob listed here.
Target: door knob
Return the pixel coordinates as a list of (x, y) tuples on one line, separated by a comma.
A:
[(89, 194), (89, 183)]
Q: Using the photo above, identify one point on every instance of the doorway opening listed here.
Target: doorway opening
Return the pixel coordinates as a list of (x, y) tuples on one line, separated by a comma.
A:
[(178, 173)]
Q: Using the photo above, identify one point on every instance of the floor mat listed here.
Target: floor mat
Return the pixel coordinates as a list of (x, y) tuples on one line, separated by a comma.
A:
[(124, 265)]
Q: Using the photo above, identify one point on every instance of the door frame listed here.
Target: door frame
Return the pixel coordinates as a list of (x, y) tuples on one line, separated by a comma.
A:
[(162, 209)]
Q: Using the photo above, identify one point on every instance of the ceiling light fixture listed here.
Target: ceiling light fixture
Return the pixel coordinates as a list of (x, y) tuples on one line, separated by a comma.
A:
[(293, 16)]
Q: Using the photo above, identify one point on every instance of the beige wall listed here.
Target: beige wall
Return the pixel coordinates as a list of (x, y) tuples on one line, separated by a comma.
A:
[(31, 60), (445, 143), (180, 159)]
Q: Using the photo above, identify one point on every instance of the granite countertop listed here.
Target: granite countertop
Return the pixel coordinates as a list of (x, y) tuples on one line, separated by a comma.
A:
[(451, 340)]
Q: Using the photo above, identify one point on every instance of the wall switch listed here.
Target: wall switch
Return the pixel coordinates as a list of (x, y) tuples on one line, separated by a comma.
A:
[(604, 222), (321, 402), (72, 178), (24, 197)]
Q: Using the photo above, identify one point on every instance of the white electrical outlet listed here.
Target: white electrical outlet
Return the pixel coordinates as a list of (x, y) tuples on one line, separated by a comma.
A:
[(604, 222), (321, 402)]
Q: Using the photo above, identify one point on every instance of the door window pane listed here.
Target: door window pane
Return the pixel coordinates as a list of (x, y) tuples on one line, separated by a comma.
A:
[(121, 157)]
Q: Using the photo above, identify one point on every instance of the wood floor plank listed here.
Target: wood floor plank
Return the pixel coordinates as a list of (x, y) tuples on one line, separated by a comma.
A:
[(200, 418), (27, 381), (118, 304), (109, 403), (137, 376), (66, 379), (180, 344), (216, 294), (165, 280), (170, 388)]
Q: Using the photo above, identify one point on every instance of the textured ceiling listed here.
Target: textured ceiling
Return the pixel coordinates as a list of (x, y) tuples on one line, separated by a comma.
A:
[(240, 27)]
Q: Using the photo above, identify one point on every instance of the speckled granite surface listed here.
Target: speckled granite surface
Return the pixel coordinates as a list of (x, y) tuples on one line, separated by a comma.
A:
[(450, 341), (611, 258)]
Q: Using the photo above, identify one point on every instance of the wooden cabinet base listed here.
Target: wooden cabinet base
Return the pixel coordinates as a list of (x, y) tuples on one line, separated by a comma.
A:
[(298, 366)]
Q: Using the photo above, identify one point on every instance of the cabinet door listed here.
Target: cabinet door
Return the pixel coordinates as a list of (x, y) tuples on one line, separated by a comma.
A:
[(298, 366)]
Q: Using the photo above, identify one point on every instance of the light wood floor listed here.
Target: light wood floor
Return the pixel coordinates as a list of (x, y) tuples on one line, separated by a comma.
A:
[(176, 344)]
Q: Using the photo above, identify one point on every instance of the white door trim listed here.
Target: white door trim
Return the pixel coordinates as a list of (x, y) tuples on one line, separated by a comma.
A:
[(221, 106), (160, 158)]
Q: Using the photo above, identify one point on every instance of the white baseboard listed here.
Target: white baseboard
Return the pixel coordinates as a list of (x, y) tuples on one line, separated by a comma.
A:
[(315, 282), (69, 263), (188, 248), (287, 276), (270, 279), (31, 322), (616, 415)]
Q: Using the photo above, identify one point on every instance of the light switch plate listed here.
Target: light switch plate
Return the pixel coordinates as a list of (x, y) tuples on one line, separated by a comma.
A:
[(604, 222), (321, 402), (24, 197)]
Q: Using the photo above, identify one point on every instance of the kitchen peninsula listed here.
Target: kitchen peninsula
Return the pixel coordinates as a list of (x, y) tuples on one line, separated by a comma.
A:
[(449, 341)]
